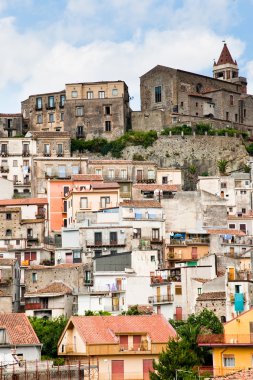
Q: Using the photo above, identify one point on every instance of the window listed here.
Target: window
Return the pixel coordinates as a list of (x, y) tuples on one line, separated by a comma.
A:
[(79, 111), (65, 190), (243, 228), (62, 116), (83, 202), (101, 94), (223, 185), (197, 104), (178, 290), (231, 226), (164, 180), (29, 232), (236, 117), (89, 94), (4, 149), (137, 233), (98, 171), (155, 234), (62, 171), (8, 233), (34, 277), (51, 102), (152, 258), (104, 201), (15, 163), (59, 149), (123, 173), (199, 291), (75, 169), (227, 115), (65, 203), (62, 100), (8, 216), (65, 222), (228, 360), (243, 192), (244, 210), (47, 149), (111, 173), (244, 112), (98, 238), (231, 100), (39, 103), (182, 104), (107, 110), (114, 92), (107, 126), (74, 94), (113, 238), (51, 117), (151, 174), (158, 94), (39, 119)]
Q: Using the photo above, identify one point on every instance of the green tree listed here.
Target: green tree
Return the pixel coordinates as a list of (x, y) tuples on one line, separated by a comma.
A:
[(49, 332), (178, 355), (89, 313), (222, 165)]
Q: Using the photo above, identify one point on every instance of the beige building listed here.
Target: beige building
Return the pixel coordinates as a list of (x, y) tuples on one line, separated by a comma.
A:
[(125, 346)]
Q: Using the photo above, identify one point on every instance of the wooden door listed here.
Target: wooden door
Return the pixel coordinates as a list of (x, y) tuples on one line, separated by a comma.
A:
[(147, 366), (117, 369), (158, 294), (179, 313)]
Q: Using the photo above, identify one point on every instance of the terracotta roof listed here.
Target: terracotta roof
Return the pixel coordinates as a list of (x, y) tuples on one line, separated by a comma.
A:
[(226, 232), (203, 280), (7, 261), (87, 177), (211, 296), (104, 329), (56, 287), (153, 187), (23, 201), (19, 329), (225, 57), (105, 185), (140, 204)]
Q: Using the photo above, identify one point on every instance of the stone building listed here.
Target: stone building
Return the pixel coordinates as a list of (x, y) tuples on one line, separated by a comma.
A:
[(9, 285), (44, 112), (175, 96), (11, 124)]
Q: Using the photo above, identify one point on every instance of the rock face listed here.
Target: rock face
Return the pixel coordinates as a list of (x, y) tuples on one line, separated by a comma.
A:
[(200, 151)]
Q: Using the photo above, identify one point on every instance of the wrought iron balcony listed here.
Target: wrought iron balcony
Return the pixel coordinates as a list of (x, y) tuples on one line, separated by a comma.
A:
[(167, 298)]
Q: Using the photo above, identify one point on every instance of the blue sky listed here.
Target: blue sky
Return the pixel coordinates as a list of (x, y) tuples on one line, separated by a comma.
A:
[(47, 43)]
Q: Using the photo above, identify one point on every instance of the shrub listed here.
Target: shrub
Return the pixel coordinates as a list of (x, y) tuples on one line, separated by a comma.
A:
[(201, 128)]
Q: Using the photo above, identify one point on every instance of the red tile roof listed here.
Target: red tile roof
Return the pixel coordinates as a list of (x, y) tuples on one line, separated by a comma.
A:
[(105, 185), (56, 287), (211, 296), (140, 204), (87, 177), (225, 57), (226, 232), (23, 201), (19, 329), (104, 329), (152, 187)]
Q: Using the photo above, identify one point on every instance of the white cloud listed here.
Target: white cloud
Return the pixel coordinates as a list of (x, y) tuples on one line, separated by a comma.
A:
[(41, 65)]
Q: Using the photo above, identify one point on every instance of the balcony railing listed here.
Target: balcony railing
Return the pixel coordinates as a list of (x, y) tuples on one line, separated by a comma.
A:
[(4, 153), (79, 135), (26, 153), (145, 180), (4, 169), (168, 298), (156, 280), (228, 339), (106, 243), (189, 241), (50, 106), (117, 178)]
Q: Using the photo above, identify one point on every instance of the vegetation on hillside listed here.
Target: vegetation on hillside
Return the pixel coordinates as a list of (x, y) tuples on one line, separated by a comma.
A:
[(183, 353), (115, 147)]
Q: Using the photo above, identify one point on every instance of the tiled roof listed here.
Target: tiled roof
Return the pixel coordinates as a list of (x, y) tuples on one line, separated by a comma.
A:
[(18, 328), (87, 177), (225, 57), (211, 296), (23, 201), (104, 329), (56, 287), (105, 185), (7, 261), (226, 232), (140, 204), (152, 187)]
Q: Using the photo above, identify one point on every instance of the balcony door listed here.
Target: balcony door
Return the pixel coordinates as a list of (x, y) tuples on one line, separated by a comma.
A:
[(98, 238)]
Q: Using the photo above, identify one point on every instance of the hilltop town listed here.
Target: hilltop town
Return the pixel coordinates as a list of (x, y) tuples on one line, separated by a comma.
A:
[(104, 209)]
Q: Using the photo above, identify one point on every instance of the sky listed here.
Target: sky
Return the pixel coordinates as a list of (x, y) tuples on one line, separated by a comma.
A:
[(47, 43)]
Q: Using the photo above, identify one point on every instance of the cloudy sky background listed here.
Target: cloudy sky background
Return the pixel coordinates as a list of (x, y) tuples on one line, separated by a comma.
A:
[(47, 43)]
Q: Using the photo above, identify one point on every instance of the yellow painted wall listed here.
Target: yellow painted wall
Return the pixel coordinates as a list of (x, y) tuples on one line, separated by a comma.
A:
[(243, 359)]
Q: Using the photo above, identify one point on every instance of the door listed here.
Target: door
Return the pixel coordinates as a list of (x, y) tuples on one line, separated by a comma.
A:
[(115, 303), (169, 292), (69, 258), (158, 294), (139, 175), (117, 369), (179, 313), (232, 251), (113, 238), (147, 366), (194, 253)]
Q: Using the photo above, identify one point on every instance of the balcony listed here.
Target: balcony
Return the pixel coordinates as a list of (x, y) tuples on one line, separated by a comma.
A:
[(168, 298), (145, 180), (144, 216), (189, 241), (60, 154), (106, 243), (109, 288), (222, 339), (117, 178), (25, 153), (4, 153), (50, 106), (38, 108), (80, 135), (61, 105), (46, 154)]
